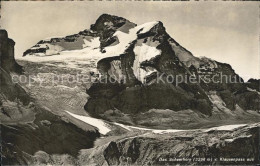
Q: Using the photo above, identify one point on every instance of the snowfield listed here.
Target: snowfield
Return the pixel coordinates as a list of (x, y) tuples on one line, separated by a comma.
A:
[(91, 49), (125, 39), (143, 53), (146, 27), (104, 128), (253, 90), (93, 43), (225, 128)]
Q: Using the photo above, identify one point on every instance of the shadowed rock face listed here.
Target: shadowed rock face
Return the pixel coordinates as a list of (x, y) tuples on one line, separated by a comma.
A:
[(11, 90), (7, 53), (8, 64), (254, 84)]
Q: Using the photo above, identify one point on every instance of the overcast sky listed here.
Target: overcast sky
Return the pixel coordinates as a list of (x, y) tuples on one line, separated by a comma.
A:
[(224, 31)]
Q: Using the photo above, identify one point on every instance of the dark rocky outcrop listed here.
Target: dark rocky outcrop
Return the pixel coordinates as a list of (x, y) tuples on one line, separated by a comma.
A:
[(254, 84), (7, 60), (249, 100), (9, 89), (106, 25)]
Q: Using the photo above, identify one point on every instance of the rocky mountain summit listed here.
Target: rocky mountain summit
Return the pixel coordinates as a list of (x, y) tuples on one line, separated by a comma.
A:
[(148, 69), (8, 62)]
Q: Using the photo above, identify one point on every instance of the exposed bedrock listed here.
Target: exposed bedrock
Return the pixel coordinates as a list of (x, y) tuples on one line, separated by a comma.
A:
[(7, 60)]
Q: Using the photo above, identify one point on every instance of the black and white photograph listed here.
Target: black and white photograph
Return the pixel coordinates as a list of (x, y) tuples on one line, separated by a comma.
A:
[(107, 83)]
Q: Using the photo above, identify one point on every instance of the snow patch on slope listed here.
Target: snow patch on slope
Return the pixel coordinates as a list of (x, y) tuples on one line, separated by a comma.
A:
[(146, 27), (123, 126), (218, 102), (125, 39), (156, 131), (82, 54), (92, 51), (143, 53), (226, 127), (92, 44), (102, 126), (253, 90), (130, 128), (233, 139)]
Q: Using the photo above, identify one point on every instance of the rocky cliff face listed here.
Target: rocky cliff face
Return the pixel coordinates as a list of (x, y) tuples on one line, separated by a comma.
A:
[(140, 68), (7, 53), (253, 84), (9, 90)]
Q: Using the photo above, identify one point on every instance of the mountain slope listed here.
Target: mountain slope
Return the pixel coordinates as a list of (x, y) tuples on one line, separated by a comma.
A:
[(26, 126)]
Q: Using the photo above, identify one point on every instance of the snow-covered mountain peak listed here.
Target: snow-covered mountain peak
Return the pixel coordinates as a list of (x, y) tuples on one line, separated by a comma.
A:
[(148, 47)]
